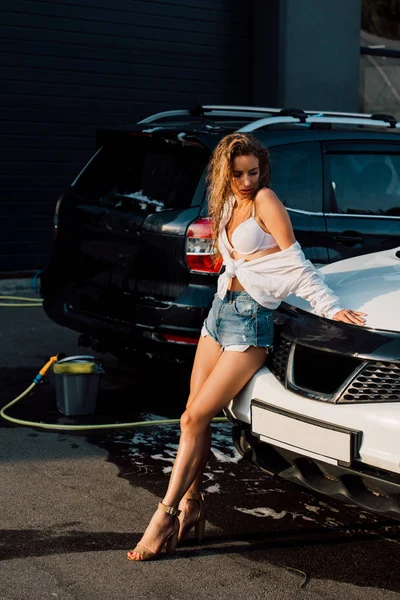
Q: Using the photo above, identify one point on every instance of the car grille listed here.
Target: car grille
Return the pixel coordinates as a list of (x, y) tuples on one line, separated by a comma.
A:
[(279, 358), (376, 382)]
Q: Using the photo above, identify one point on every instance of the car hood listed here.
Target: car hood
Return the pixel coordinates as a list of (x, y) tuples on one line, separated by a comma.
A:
[(370, 283)]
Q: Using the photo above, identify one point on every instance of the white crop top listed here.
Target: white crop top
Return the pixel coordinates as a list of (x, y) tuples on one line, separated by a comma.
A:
[(270, 279), (249, 237)]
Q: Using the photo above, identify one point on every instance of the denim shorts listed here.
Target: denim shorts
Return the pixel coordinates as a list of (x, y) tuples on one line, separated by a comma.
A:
[(238, 322)]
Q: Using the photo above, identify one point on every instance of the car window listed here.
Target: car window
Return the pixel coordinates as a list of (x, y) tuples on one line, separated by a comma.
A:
[(364, 183), (296, 175), (156, 174)]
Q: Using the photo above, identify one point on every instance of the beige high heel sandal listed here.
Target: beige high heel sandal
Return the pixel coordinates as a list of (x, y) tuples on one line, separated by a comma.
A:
[(170, 542), (199, 523)]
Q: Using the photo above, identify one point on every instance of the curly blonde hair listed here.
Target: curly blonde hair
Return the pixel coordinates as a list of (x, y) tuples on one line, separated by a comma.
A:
[(220, 170)]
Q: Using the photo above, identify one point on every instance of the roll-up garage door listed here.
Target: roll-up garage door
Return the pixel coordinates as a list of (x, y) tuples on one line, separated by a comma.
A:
[(70, 66)]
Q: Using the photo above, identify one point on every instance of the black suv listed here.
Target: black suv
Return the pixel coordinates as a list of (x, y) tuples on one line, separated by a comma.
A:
[(131, 268)]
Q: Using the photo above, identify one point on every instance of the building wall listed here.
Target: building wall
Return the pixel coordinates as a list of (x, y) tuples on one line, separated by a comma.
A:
[(68, 67), (307, 54), (321, 39)]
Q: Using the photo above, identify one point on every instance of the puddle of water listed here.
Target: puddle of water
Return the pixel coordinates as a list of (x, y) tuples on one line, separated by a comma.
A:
[(264, 511)]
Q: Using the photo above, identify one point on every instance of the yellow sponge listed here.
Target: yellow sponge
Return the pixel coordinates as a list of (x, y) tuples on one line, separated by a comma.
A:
[(77, 368)]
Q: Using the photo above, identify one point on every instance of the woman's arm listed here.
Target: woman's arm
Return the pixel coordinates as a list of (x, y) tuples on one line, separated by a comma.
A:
[(275, 217), (309, 284)]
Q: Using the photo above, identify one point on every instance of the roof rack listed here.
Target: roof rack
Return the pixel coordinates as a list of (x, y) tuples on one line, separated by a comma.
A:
[(234, 111), (266, 109), (281, 115), (372, 120)]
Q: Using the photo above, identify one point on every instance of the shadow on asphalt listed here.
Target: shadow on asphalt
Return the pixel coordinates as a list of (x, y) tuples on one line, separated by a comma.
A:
[(315, 552)]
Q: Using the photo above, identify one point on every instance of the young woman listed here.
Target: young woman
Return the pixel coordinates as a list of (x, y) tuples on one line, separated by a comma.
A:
[(263, 264)]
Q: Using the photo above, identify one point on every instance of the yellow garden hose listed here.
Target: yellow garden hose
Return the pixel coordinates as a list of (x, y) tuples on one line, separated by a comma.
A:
[(26, 301), (77, 368)]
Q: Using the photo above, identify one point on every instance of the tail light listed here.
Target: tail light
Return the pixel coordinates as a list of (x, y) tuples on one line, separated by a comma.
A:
[(199, 254), (55, 218), (180, 339)]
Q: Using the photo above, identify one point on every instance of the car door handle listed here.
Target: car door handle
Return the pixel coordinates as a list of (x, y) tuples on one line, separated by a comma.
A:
[(349, 238)]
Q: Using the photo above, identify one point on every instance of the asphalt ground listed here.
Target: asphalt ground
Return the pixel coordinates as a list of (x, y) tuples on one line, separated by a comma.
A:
[(73, 503)]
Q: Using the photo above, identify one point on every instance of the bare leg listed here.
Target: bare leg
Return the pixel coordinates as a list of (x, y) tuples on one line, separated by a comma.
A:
[(196, 485), (230, 373), (207, 356), (191, 508)]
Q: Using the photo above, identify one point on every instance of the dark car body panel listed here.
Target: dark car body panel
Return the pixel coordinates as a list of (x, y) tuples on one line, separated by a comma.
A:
[(118, 273)]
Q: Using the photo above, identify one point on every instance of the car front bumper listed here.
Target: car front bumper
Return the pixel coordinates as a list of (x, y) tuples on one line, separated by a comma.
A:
[(378, 423), (365, 405)]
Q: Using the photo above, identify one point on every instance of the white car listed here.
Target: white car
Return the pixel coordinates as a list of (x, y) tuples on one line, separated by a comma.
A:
[(324, 411)]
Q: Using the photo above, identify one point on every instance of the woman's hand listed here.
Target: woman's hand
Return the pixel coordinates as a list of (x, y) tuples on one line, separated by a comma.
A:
[(350, 316)]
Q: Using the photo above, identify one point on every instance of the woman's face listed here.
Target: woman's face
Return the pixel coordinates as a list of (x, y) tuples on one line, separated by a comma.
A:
[(245, 176)]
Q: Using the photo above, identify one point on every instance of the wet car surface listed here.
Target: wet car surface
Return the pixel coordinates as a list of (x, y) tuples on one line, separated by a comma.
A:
[(249, 513)]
